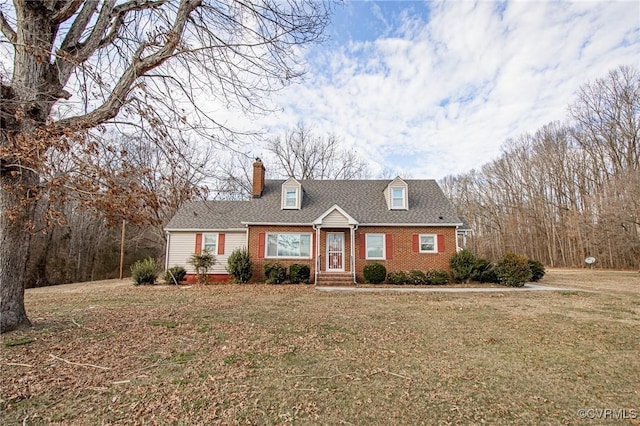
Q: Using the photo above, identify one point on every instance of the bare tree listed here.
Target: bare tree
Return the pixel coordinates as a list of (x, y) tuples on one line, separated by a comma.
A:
[(81, 65), (569, 190), (303, 155)]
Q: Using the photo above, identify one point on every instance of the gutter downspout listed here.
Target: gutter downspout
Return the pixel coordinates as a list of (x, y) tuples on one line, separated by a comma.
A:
[(353, 253), (166, 254), (317, 262)]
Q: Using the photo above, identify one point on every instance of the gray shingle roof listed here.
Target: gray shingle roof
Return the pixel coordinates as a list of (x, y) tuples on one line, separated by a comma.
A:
[(361, 199)]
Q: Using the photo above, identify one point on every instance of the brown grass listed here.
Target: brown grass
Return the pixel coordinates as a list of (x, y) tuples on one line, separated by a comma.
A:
[(111, 353)]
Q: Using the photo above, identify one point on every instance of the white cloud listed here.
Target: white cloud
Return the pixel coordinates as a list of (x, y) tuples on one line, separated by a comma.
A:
[(442, 96)]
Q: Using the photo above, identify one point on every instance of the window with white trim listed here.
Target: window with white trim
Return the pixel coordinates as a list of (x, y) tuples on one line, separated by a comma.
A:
[(288, 245), (291, 198), (210, 242), (375, 246), (397, 198), (428, 243)]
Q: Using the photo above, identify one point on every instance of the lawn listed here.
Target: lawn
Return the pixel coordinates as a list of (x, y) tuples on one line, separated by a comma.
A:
[(109, 352)]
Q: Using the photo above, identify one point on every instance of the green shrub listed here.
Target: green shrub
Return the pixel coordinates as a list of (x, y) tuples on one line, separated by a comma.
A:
[(374, 273), (537, 270), (417, 277), (175, 275), (299, 273), (488, 275), (397, 277), (437, 277), (144, 272), (462, 266), (274, 273), (479, 267), (239, 265), (513, 270), (201, 262)]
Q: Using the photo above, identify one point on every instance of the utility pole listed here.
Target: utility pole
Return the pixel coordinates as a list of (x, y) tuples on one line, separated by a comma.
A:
[(122, 249)]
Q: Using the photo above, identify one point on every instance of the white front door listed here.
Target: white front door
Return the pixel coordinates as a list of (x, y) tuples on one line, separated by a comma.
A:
[(335, 251)]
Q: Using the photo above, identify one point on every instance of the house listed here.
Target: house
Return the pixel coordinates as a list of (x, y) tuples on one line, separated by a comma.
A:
[(334, 226)]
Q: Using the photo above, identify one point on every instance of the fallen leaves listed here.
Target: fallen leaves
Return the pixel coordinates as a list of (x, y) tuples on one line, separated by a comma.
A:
[(275, 354)]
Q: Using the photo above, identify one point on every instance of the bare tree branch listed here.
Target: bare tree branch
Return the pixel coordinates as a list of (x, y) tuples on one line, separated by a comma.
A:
[(79, 25), (7, 29), (303, 155), (139, 67), (69, 8)]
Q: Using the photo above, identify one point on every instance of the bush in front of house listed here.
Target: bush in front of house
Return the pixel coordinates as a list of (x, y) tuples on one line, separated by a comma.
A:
[(480, 266), (397, 277), (239, 265), (175, 275), (488, 274), (417, 277), (374, 273), (437, 277), (144, 272), (201, 262), (462, 265), (513, 270), (274, 273), (537, 270), (299, 273)]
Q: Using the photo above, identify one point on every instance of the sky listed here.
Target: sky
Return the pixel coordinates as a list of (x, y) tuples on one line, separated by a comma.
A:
[(430, 89)]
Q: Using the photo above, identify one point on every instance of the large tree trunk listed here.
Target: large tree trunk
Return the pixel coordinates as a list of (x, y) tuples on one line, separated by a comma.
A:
[(24, 109), (15, 238)]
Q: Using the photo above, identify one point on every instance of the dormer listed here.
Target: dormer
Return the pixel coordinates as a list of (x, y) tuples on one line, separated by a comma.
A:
[(397, 194), (291, 195)]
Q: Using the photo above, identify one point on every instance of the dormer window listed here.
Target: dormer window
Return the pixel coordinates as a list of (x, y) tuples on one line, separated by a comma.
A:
[(291, 195), (290, 198), (396, 194), (397, 198)]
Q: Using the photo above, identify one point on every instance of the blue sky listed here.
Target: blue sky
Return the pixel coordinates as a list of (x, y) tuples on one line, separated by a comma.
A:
[(429, 89)]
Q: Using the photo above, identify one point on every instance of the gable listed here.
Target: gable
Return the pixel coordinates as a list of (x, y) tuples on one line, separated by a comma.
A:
[(396, 194), (335, 217), (291, 195)]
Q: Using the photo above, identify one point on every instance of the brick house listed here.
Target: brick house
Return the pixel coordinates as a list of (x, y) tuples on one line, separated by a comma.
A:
[(334, 226)]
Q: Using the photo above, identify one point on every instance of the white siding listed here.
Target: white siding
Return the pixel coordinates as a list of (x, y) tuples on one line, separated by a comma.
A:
[(335, 219), (232, 241), (182, 245)]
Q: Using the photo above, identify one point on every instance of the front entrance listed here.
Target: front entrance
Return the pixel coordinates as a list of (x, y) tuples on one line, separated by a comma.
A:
[(335, 251)]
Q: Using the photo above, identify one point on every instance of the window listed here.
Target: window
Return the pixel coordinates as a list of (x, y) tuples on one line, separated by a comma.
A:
[(290, 198), (428, 243), (289, 245), (397, 198), (375, 246), (210, 242)]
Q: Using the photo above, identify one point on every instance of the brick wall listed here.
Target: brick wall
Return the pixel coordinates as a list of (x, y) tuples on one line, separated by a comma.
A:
[(258, 263), (404, 258)]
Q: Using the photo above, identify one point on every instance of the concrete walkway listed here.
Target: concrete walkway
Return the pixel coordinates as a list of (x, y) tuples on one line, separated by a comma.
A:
[(436, 289)]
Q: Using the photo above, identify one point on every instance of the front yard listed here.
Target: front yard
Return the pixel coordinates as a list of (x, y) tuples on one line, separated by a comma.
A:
[(258, 354)]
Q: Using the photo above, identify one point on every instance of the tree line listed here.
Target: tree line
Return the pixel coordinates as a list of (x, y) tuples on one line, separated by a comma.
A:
[(570, 190)]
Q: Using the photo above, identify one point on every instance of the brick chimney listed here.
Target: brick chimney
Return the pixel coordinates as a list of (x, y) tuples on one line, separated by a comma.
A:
[(258, 178)]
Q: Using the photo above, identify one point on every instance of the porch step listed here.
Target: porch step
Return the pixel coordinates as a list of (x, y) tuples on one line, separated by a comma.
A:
[(335, 279)]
